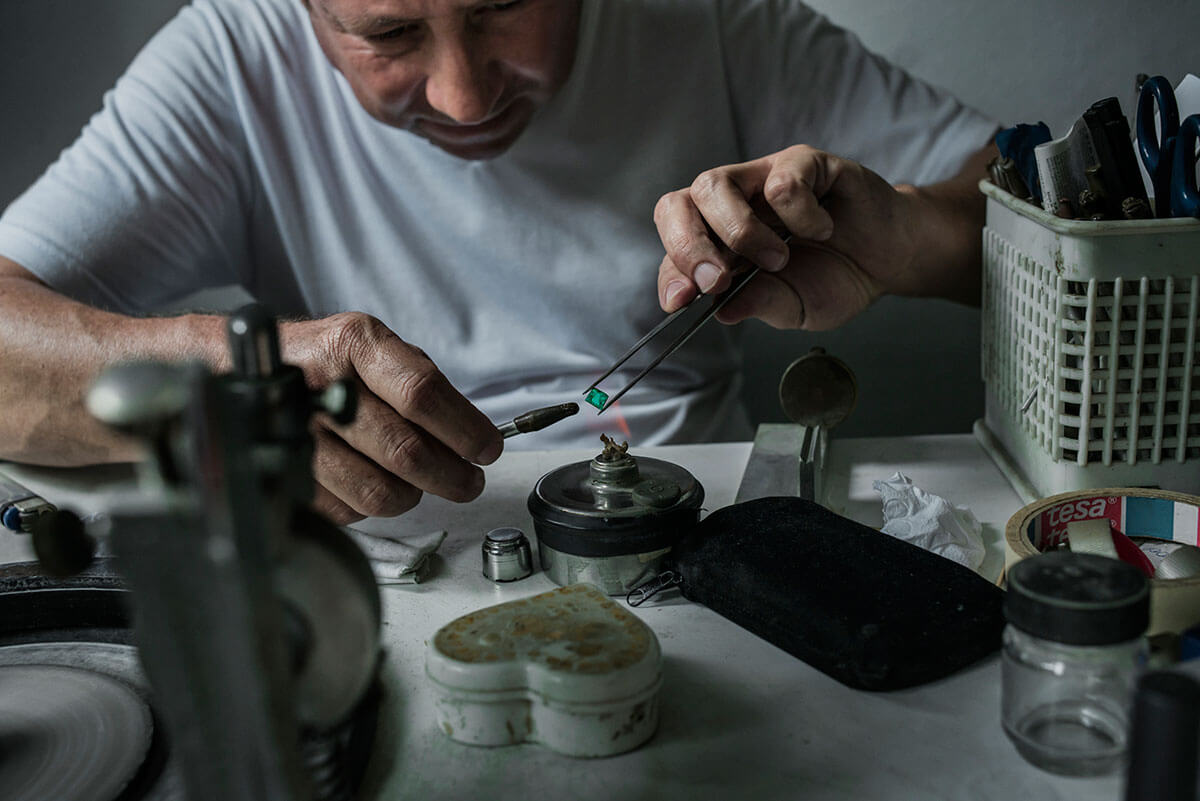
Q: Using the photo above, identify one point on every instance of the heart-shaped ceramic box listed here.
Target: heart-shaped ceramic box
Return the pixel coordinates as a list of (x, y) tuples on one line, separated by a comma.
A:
[(569, 669)]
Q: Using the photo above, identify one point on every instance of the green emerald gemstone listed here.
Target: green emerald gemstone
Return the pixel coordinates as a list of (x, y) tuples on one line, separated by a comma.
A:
[(597, 398)]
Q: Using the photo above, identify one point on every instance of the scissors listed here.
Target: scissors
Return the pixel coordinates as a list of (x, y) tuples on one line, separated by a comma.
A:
[(1170, 153)]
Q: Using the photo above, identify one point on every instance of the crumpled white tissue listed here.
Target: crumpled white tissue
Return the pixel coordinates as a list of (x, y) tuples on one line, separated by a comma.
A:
[(397, 559), (930, 521)]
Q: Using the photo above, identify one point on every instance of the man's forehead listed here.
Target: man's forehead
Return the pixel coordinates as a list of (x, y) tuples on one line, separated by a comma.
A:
[(352, 14)]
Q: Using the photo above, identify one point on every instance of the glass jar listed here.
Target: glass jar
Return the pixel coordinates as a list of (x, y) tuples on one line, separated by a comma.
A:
[(1072, 650)]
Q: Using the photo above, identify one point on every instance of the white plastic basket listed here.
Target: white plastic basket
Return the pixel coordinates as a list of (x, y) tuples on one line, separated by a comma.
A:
[(1089, 350)]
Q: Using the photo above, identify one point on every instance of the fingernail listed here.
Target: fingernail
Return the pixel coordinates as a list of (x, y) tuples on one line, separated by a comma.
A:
[(674, 290), (824, 234), (774, 260), (490, 454), (706, 276)]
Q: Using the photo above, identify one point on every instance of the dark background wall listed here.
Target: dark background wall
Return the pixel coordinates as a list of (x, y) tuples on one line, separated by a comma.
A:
[(57, 58), (917, 361)]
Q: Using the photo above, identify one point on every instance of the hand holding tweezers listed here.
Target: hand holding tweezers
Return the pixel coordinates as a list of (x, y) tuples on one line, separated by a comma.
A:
[(718, 302)]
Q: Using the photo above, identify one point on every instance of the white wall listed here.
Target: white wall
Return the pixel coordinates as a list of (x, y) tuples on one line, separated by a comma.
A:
[(917, 361)]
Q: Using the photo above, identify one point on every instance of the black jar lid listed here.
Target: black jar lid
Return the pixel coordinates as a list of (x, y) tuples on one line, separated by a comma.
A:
[(1077, 598)]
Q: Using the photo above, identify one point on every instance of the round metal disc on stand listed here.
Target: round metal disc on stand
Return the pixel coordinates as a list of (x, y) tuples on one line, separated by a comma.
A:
[(69, 734), (818, 390)]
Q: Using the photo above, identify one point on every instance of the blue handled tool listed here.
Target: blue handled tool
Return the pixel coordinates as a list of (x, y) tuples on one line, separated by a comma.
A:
[(1168, 153), (1156, 146), (1185, 197)]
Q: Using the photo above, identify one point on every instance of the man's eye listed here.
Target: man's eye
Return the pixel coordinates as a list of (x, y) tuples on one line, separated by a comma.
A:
[(502, 6), (484, 10), (393, 34)]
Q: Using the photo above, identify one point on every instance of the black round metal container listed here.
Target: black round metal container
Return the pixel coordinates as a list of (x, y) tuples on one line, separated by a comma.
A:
[(610, 521)]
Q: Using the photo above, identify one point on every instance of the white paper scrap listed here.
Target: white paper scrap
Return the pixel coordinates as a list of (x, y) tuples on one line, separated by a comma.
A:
[(930, 521)]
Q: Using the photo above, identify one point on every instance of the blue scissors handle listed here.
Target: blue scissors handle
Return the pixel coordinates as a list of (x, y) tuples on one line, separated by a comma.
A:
[(1156, 147), (1185, 197)]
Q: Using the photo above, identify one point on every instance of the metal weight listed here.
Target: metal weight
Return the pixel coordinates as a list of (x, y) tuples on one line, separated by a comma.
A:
[(818, 390), (506, 555)]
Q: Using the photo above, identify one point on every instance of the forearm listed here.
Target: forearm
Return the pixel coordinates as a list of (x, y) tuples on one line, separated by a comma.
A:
[(54, 348), (947, 220)]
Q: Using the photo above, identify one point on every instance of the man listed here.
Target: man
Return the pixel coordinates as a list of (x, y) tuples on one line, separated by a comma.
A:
[(470, 184)]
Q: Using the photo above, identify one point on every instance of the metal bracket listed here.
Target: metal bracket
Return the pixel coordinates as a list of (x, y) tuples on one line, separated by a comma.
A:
[(787, 459)]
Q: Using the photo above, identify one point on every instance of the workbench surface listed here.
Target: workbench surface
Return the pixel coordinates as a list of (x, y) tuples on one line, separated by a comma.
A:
[(740, 719)]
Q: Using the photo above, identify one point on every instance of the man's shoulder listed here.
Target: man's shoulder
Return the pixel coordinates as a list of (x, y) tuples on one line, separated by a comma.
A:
[(252, 23), (738, 23), (233, 42), (288, 10)]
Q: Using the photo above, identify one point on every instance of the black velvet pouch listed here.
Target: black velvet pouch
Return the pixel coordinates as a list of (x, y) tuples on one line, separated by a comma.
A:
[(871, 611)]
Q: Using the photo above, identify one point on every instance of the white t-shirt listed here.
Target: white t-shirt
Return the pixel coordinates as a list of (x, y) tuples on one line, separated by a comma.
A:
[(231, 152)]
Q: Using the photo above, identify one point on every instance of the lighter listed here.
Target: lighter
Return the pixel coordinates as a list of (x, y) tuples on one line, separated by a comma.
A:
[(20, 507)]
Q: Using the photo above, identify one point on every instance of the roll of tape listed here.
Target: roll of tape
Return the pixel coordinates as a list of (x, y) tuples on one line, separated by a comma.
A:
[(1042, 526), (1092, 536)]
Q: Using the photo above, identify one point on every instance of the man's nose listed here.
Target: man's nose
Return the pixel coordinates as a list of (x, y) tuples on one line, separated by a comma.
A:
[(458, 85)]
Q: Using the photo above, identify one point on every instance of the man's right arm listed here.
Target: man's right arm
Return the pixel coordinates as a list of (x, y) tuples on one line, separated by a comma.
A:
[(55, 347), (414, 432)]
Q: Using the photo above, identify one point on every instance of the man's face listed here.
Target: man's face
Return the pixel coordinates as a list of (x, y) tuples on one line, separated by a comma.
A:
[(464, 74)]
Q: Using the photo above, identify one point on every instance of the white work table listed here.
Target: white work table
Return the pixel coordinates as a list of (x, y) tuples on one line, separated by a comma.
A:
[(740, 719)]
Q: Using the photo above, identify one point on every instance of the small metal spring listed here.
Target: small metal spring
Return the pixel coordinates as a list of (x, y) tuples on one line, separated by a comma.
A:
[(325, 761), (648, 589)]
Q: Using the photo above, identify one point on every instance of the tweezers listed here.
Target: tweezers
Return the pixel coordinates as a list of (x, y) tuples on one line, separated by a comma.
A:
[(718, 302)]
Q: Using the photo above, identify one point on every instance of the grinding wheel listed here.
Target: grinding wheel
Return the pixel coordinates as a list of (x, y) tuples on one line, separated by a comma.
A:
[(69, 734)]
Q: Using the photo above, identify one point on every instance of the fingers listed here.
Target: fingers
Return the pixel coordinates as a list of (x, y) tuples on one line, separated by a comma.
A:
[(822, 289), (675, 289), (409, 383), (406, 455), (690, 247), (722, 197), (769, 298), (413, 432), (779, 212), (351, 487), (743, 210), (797, 180), (333, 508)]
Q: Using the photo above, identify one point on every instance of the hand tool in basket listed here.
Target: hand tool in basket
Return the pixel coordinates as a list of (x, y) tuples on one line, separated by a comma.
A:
[(1169, 152)]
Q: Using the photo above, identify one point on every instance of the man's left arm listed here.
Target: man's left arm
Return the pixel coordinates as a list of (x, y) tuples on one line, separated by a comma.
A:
[(949, 261)]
